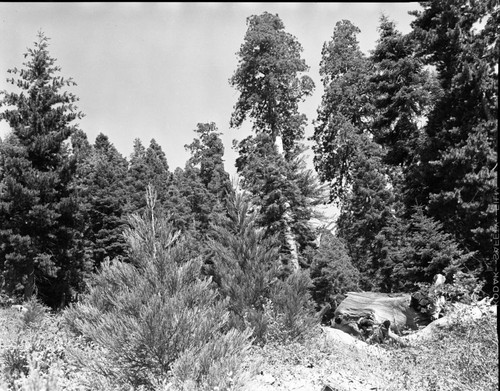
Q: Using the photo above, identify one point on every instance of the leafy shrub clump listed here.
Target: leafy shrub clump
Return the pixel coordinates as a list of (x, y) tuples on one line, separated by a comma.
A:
[(154, 320)]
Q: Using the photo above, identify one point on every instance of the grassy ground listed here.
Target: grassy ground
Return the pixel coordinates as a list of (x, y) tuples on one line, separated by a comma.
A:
[(35, 355)]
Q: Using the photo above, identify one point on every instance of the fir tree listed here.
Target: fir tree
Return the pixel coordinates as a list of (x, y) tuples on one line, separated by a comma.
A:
[(100, 187), (38, 217), (456, 178), (332, 273), (414, 250)]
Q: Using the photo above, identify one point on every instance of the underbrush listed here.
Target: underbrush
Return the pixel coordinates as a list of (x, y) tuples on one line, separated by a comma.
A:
[(37, 353), (33, 351), (461, 356)]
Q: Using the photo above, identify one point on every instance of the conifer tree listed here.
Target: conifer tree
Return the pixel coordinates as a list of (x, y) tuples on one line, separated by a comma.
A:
[(346, 154), (413, 250), (148, 166), (271, 85), (269, 82), (155, 319), (38, 217), (100, 187), (332, 273), (456, 178), (247, 271), (206, 182)]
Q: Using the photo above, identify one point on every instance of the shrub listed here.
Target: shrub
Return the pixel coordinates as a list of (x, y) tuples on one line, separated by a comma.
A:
[(35, 355), (34, 313), (290, 311), (151, 316)]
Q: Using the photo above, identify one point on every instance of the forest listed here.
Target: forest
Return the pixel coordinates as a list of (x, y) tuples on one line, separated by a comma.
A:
[(172, 275)]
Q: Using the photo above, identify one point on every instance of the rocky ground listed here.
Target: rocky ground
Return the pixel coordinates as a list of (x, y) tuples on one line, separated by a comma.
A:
[(333, 359), (341, 362)]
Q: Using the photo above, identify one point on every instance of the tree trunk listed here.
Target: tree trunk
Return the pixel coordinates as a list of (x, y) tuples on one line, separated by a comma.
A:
[(287, 218)]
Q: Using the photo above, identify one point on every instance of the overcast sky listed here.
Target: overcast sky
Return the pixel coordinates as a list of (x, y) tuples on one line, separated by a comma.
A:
[(155, 70)]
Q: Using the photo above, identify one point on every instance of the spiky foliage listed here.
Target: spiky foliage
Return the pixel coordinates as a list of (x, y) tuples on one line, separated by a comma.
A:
[(155, 318), (40, 247), (247, 270)]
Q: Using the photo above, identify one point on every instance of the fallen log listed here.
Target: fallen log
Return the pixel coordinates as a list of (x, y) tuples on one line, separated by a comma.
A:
[(377, 316), (359, 308)]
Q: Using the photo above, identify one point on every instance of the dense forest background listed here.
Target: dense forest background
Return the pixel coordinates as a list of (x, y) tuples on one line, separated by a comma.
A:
[(405, 145)]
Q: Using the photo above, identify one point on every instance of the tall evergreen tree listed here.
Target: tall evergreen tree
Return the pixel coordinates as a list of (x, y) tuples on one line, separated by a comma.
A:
[(346, 154), (457, 175), (403, 93), (211, 184), (148, 167), (100, 188), (345, 112), (271, 86), (285, 192), (269, 83), (37, 226)]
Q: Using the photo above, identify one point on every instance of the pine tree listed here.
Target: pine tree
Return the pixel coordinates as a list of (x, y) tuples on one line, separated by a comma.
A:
[(403, 94), (269, 83), (245, 264), (208, 184), (346, 154), (341, 128), (285, 193), (38, 220)]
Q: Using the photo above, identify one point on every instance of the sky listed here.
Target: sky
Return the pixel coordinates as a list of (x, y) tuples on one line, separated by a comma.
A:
[(156, 70)]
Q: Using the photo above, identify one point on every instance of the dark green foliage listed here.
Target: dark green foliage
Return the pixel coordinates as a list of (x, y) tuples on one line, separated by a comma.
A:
[(457, 175), (155, 313), (343, 113), (246, 269), (148, 167), (332, 273), (99, 184), (285, 192), (415, 250), (268, 81), (41, 250)]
